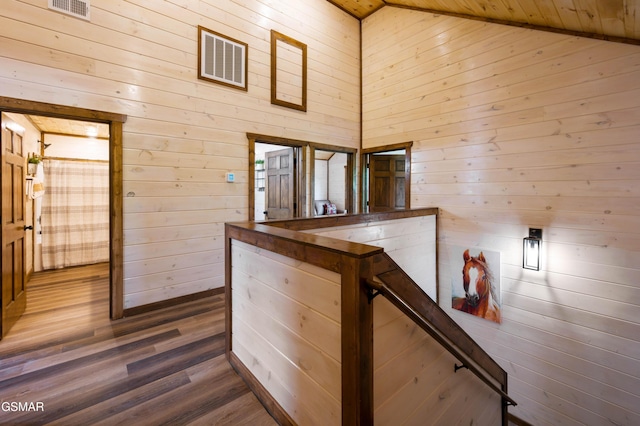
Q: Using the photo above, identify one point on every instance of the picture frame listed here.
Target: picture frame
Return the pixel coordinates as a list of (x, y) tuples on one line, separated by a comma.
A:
[(288, 72), (475, 282)]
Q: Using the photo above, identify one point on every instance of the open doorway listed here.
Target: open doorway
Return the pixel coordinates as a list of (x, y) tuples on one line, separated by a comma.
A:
[(277, 177), (282, 169), (332, 177), (386, 178), (276, 182), (67, 192), (114, 122)]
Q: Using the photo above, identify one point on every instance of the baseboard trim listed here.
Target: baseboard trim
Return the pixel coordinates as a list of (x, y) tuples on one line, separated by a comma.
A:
[(270, 404), (515, 420), (137, 310)]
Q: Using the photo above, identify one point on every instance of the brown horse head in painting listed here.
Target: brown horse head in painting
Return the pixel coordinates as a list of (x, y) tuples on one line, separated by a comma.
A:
[(479, 293)]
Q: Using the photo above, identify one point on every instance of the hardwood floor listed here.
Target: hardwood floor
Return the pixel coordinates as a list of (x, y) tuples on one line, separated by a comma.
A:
[(78, 367)]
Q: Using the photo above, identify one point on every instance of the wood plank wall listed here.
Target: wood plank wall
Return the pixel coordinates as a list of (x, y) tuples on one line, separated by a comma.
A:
[(182, 134), (410, 242), (286, 331), (512, 129), (415, 381)]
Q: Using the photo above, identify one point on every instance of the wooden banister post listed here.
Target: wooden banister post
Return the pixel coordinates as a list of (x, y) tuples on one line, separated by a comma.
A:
[(357, 342)]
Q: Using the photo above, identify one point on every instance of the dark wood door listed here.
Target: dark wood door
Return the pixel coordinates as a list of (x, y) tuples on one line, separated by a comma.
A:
[(280, 186), (14, 294), (387, 178)]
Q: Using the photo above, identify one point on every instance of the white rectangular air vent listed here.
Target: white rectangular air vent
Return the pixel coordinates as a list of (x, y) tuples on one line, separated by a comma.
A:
[(77, 8), (222, 59)]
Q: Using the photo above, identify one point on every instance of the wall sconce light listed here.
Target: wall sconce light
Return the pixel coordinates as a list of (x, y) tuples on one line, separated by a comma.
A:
[(531, 249)]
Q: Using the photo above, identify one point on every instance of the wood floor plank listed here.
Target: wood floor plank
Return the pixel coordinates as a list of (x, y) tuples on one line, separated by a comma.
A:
[(57, 369), (160, 367), (39, 348), (202, 397), (108, 409), (241, 411)]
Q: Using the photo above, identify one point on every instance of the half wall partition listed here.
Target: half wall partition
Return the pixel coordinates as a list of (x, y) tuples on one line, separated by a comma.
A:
[(308, 333)]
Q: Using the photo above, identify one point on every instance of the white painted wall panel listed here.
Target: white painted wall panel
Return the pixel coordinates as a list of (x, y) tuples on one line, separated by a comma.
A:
[(76, 147), (321, 180), (337, 180)]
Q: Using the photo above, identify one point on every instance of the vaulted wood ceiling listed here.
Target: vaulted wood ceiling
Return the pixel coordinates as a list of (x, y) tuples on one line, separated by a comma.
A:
[(615, 20)]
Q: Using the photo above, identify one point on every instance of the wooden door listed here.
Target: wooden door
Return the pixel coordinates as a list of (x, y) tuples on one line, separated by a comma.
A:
[(387, 178), (280, 186), (14, 294)]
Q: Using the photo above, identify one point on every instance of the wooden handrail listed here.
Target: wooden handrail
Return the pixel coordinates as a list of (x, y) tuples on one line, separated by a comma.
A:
[(359, 265), (397, 287)]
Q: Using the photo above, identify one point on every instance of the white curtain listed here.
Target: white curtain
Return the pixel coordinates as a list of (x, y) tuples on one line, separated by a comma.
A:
[(75, 213)]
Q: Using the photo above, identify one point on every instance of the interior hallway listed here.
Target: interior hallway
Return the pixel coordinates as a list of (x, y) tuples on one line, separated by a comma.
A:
[(162, 367)]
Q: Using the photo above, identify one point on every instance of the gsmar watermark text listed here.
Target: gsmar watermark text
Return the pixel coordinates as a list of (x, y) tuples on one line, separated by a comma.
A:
[(21, 406)]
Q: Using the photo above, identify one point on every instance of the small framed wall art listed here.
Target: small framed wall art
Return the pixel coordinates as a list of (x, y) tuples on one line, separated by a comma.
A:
[(477, 290)]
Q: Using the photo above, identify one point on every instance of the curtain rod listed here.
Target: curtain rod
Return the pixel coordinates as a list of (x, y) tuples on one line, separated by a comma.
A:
[(83, 160)]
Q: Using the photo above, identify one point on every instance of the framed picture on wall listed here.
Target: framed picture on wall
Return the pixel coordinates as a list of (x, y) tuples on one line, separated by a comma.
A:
[(475, 282)]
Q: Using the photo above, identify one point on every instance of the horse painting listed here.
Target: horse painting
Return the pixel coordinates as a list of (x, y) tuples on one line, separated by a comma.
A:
[(480, 297)]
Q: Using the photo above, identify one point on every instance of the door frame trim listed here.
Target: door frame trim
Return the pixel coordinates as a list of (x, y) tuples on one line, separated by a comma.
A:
[(115, 122), (364, 163), (300, 175)]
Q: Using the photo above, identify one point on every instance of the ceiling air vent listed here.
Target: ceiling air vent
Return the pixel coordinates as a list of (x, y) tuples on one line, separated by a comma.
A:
[(77, 8)]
